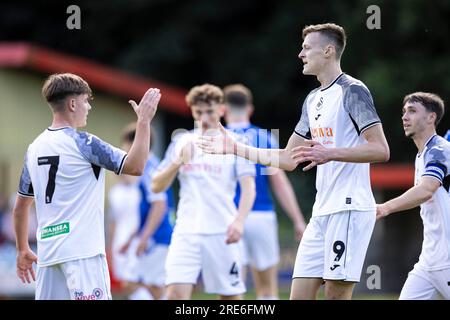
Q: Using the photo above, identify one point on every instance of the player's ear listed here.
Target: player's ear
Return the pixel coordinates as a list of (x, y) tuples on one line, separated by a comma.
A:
[(432, 117), (329, 50), (225, 109), (251, 109), (221, 110), (71, 103)]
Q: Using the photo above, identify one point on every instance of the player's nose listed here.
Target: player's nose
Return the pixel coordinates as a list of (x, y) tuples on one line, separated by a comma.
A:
[(301, 55)]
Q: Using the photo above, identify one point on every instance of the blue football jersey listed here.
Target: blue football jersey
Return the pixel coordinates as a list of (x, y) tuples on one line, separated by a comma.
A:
[(260, 138), (164, 233)]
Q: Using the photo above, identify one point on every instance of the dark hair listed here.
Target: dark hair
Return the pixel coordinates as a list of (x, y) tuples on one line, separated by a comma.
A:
[(237, 95), (59, 86), (206, 93), (432, 102), (332, 31), (129, 133)]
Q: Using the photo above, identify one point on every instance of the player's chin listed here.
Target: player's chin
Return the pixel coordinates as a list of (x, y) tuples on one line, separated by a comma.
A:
[(409, 134), (306, 71)]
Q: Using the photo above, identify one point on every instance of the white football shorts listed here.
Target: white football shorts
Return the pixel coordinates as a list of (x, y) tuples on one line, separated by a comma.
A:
[(82, 279), (151, 265), (334, 246), (260, 245), (426, 285), (219, 263)]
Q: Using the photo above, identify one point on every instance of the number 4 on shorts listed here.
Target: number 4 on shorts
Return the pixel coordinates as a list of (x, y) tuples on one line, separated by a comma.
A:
[(234, 269)]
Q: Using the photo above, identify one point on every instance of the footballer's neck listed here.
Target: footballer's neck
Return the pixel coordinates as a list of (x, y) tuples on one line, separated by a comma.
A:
[(329, 73), (62, 120), (421, 138)]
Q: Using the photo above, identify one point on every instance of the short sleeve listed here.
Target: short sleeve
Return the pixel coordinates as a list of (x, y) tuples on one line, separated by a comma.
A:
[(25, 185), (302, 127), (359, 104), (100, 153), (436, 163)]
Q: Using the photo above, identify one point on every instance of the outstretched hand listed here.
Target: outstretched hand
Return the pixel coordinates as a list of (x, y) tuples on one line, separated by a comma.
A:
[(25, 261), (149, 104), (219, 144), (316, 153)]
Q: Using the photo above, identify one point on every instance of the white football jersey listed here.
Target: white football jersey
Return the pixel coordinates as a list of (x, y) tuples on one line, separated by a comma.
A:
[(434, 161), (336, 116), (124, 202), (63, 171), (207, 187)]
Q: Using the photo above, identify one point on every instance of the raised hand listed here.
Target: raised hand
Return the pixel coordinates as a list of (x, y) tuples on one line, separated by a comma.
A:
[(146, 109), (25, 261), (316, 153), (219, 144)]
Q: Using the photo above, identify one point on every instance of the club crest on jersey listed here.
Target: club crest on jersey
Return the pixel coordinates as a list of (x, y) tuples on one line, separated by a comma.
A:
[(319, 104)]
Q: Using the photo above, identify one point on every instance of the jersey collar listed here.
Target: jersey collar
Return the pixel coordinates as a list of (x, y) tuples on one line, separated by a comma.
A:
[(56, 129), (426, 145), (333, 82)]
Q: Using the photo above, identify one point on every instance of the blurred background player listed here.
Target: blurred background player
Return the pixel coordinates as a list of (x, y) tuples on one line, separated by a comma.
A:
[(260, 239), (64, 174), (151, 241), (208, 224), (124, 198), (447, 135), (339, 131), (430, 277)]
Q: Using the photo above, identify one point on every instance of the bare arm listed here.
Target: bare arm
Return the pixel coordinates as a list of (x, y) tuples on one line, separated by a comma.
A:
[(248, 195), (25, 257), (412, 198), (162, 179), (145, 111), (278, 158), (375, 150), (285, 195), (153, 222)]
